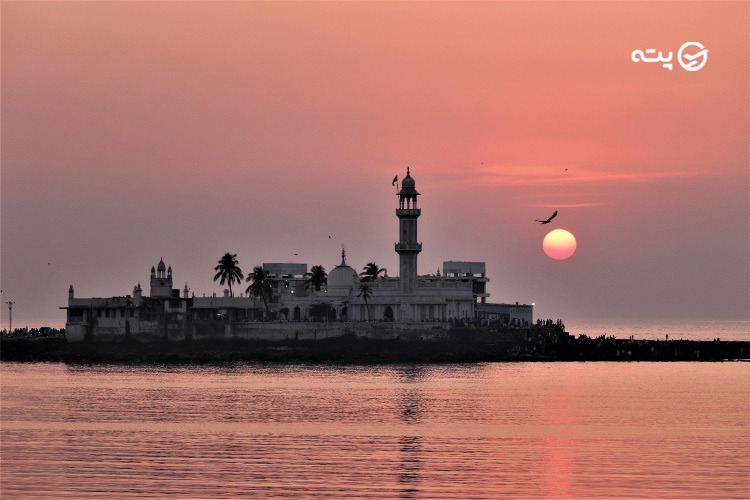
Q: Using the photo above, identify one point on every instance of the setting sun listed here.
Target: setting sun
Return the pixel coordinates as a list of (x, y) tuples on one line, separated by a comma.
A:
[(559, 244)]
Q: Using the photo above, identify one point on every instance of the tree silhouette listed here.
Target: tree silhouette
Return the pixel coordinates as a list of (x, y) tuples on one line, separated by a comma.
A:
[(261, 285), (317, 277), (372, 272), (229, 271), (365, 292)]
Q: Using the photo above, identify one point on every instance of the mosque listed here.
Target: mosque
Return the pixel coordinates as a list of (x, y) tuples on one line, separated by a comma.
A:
[(458, 294)]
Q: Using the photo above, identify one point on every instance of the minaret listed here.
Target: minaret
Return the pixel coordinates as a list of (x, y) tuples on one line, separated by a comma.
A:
[(161, 280), (408, 248)]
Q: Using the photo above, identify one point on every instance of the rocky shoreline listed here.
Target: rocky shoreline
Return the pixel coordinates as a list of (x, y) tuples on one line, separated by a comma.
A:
[(353, 350)]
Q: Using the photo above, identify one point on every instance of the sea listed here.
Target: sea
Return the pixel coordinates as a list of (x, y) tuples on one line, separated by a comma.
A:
[(486, 430)]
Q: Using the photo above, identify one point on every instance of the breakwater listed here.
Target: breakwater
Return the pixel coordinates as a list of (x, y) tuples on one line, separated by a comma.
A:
[(470, 345)]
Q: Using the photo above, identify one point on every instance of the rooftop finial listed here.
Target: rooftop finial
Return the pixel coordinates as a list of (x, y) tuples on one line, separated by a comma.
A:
[(407, 171), (343, 255)]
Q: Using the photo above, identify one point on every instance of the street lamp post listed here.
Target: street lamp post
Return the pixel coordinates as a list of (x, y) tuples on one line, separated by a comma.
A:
[(10, 316)]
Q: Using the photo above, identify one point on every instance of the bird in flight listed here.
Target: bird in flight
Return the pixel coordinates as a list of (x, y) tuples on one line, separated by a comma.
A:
[(547, 221)]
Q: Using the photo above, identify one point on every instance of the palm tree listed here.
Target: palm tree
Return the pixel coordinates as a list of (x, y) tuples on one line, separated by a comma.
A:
[(317, 277), (229, 271), (261, 285), (372, 272), (365, 292)]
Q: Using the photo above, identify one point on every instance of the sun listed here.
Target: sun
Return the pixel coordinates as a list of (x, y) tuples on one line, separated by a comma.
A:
[(559, 244)]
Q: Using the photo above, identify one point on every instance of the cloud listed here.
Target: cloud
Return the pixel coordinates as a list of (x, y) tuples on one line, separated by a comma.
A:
[(520, 175), (567, 205), (534, 175)]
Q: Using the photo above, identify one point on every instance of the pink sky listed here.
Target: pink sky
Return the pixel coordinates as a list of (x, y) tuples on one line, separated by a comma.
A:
[(134, 131)]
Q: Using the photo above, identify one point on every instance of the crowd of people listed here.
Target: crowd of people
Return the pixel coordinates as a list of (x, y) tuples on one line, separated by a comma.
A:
[(43, 331)]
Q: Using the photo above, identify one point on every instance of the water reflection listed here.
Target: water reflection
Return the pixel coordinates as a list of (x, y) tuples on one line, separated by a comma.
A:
[(410, 451), (558, 470), (410, 373), (520, 430), (558, 451), (410, 447), (410, 407), (409, 393)]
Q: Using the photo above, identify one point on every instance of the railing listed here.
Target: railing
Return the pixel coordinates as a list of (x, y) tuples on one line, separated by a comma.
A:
[(387, 284), (408, 211), (408, 247)]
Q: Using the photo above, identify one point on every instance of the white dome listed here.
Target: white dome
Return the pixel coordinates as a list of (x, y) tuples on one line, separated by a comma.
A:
[(342, 276)]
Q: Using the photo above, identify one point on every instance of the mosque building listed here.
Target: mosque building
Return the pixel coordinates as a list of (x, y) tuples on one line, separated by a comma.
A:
[(458, 294), (408, 297)]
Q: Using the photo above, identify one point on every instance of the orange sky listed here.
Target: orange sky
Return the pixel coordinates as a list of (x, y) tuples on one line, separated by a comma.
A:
[(132, 131)]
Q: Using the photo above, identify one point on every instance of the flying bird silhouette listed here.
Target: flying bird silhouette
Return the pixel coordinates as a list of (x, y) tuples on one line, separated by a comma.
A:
[(547, 221)]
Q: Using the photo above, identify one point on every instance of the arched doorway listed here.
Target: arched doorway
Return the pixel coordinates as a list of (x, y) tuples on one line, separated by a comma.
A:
[(388, 313), (344, 314)]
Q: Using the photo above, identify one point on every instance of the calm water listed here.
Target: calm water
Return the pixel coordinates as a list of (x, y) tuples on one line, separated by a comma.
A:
[(536, 430)]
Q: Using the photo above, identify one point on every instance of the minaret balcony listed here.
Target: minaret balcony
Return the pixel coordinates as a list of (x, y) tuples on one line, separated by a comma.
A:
[(408, 247), (408, 212)]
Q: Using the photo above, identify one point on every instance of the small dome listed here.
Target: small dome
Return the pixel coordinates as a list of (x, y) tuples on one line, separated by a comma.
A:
[(408, 185), (408, 180), (342, 277), (161, 266)]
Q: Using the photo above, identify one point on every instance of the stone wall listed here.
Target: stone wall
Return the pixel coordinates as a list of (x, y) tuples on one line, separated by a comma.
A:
[(177, 331)]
